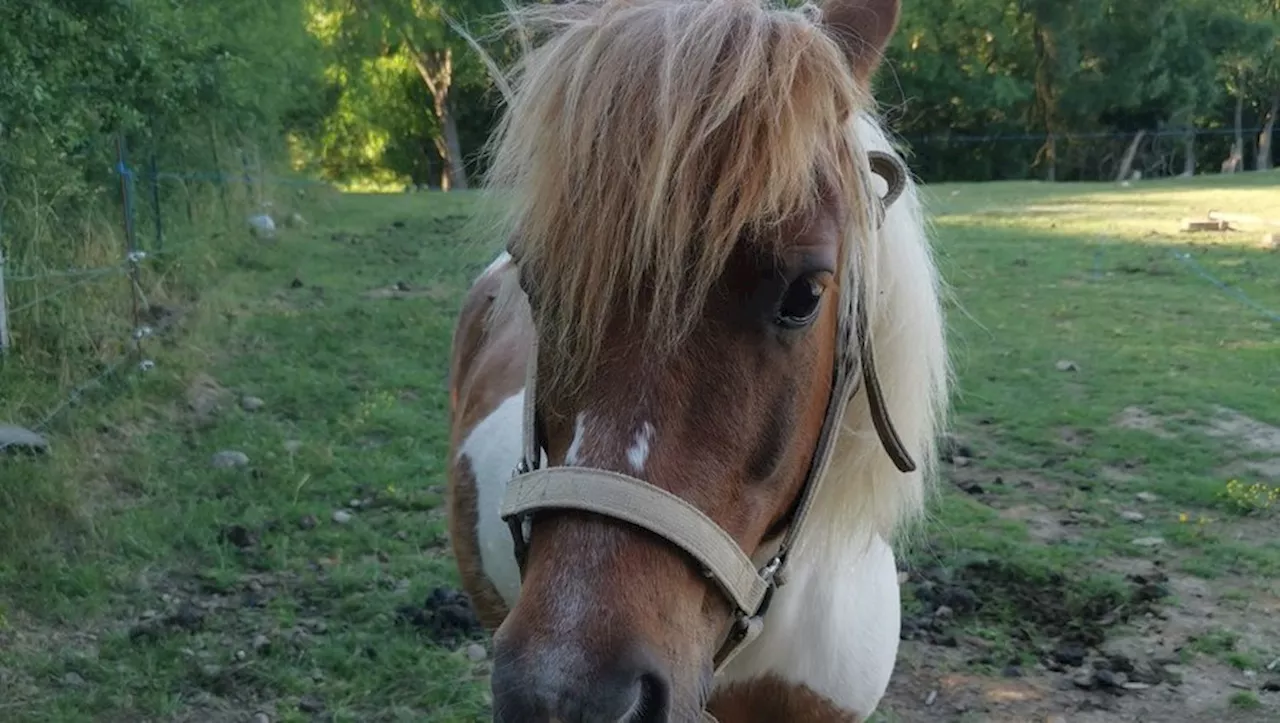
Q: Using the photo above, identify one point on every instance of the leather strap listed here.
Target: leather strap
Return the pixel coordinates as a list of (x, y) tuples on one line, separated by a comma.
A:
[(648, 506)]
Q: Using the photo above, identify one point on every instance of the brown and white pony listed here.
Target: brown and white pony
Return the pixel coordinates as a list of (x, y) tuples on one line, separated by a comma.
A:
[(692, 217)]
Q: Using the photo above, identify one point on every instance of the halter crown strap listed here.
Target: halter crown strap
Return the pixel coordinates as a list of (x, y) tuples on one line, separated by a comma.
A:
[(640, 503)]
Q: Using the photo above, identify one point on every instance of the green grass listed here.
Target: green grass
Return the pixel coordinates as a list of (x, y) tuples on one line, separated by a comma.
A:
[(126, 518)]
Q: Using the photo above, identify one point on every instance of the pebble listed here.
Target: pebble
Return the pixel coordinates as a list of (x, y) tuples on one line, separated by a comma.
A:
[(252, 404), (21, 439), (228, 459), (1131, 516), (1066, 365), (310, 704), (1149, 541), (1146, 497), (341, 517), (476, 652), (72, 680), (307, 522), (260, 642), (261, 717)]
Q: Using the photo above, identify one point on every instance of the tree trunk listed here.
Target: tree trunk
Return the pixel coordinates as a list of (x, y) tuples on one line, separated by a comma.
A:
[(436, 69), (1046, 102), (1189, 163), (1235, 162), (1126, 163), (1266, 137)]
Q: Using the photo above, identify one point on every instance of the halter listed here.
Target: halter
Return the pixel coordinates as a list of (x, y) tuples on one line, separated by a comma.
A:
[(640, 503)]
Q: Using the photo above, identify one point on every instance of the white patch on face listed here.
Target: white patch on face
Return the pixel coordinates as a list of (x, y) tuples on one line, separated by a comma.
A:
[(574, 455), (638, 452)]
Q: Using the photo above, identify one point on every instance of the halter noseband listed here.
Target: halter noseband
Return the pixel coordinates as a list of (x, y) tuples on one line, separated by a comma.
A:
[(640, 503)]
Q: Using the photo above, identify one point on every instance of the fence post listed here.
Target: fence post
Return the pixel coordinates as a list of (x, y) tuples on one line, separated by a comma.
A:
[(126, 194), (155, 201), (4, 315)]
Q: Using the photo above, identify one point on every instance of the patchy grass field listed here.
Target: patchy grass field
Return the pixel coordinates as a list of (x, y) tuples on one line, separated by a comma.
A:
[(255, 526)]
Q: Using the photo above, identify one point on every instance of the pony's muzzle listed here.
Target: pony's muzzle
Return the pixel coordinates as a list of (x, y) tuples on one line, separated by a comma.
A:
[(535, 684)]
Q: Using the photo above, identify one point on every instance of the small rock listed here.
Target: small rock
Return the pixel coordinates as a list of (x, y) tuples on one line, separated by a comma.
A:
[(1272, 686), (1131, 516), (1066, 365), (1107, 679), (401, 535), (1146, 497), (310, 704), (262, 226), (341, 517), (1085, 681), (1070, 654), (355, 504), (1130, 685), (252, 404), (931, 698), (962, 461), (260, 643), (1012, 671), (229, 459), (261, 717), (476, 652), (307, 522), (15, 439), (239, 535), (73, 680), (241, 655), (1149, 541), (944, 613)]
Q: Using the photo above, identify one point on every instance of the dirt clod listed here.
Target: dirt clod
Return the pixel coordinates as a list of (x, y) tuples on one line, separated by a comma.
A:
[(446, 616)]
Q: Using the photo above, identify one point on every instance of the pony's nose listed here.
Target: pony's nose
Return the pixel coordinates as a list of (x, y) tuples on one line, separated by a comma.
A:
[(531, 686)]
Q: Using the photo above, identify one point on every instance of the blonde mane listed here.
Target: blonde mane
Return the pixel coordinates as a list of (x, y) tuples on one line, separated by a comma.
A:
[(645, 139)]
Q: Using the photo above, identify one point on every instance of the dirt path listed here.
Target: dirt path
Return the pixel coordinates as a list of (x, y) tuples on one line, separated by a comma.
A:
[(1173, 646)]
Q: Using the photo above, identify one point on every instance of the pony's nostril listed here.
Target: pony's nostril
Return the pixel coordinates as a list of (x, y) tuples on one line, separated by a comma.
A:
[(653, 702)]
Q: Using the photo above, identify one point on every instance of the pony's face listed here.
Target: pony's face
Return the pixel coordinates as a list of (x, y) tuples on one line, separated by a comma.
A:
[(614, 623), (729, 422)]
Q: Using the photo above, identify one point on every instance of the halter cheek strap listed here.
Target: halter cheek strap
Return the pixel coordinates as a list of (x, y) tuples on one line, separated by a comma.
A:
[(749, 589)]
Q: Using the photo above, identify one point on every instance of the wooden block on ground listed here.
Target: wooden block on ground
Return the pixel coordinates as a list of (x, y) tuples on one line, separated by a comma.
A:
[(1199, 224)]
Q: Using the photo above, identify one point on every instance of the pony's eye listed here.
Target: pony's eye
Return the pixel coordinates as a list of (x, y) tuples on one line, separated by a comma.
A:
[(799, 304)]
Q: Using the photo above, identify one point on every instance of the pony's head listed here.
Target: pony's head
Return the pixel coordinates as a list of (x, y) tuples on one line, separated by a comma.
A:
[(693, 217)]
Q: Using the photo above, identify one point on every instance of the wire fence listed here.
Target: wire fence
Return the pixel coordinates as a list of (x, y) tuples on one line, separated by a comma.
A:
[(1086, 155), (33, 284), (135, 330)]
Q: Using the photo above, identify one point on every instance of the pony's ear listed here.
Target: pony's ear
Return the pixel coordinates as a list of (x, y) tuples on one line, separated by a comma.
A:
[(863, 29)]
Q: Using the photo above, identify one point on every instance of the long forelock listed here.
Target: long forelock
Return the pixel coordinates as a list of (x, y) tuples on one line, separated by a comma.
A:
[(644, 140)]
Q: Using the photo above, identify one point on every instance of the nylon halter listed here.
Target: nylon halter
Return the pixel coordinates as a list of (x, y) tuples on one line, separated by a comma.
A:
[(627, 498)]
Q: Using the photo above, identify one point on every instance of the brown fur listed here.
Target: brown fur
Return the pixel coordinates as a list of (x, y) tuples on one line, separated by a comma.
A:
[(486, 367), (773, 700), (673, 165)]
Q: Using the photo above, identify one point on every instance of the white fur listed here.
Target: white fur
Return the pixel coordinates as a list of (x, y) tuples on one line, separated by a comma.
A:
[(574, 455), (638, 452), (832, 627), (493, 449)]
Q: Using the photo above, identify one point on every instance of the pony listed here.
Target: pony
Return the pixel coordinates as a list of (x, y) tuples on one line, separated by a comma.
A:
[(694, 403)]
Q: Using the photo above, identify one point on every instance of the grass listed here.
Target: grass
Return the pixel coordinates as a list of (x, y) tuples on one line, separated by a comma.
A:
[(140, 582)]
